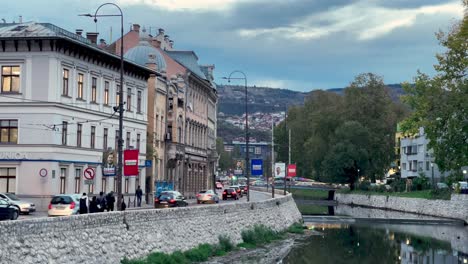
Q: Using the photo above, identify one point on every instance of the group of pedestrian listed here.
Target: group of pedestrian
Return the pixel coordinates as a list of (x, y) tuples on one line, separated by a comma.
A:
[(99, 204)]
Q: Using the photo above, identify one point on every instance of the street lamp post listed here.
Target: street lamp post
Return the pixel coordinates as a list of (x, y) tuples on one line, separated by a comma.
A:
[(432, 168), (120, 106), (247, 158), (464, 174)]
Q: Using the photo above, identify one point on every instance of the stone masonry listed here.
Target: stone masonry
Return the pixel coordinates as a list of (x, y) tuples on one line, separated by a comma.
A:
[(108, 237), (456, 208)]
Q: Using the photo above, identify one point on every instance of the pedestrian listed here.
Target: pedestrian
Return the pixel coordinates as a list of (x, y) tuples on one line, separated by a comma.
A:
[(101, 202), (93, 208), (123, 205), (84, 204), (110, 201), (139, 194)]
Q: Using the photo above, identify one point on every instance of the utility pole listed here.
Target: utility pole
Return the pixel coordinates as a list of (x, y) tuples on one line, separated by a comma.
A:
[(286, 127), (272, 159)]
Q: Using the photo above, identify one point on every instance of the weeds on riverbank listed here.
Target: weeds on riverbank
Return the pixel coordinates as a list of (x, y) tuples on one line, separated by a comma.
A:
[(257, 236)]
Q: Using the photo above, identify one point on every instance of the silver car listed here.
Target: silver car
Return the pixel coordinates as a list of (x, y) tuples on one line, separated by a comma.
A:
[(24, 207), (64, 205), (208, 196)]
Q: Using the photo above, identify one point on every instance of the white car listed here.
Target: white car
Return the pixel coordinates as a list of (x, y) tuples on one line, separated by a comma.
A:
[(64, 205), (208, 196), (24, 207)]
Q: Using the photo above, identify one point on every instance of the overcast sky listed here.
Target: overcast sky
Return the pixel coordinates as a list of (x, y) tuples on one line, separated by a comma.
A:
[(294, 44)]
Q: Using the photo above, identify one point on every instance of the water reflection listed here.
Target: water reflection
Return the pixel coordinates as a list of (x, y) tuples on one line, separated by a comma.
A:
[(344, 243)]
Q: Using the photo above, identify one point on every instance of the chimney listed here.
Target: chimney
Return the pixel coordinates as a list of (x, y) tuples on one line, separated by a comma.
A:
[(92, 36), (136, 27), (79, 32), (171, 44), (161, 31), (166, 38), (102, 43)]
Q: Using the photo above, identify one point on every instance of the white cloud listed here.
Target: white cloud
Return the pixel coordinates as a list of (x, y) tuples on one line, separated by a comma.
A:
[(186, 5), (364, 19)]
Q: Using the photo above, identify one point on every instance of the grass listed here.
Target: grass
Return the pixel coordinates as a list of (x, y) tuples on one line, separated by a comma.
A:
[(254, 237), (311, 209), (309, 194), (424, 194)]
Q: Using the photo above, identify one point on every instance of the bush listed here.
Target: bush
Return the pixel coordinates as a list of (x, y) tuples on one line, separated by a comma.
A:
[(444, 194), (398, 185), (200, 253), (364, 186), (421, 183), (259, 235), (225, 243), (296, 228)]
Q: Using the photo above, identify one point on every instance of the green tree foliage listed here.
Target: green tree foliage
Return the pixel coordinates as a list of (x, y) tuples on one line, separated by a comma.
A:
[(440, 103), (225, 159), (332, 136)]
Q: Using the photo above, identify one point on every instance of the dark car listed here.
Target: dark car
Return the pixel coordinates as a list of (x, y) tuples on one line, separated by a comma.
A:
[(230, 193), (243, 189), (237, 188), (8, 211), (170, 199)]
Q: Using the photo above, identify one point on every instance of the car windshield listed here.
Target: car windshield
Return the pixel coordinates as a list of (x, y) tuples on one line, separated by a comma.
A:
[(12, 196), (202, 191), (61, 200), (229, 190), (165, 196)]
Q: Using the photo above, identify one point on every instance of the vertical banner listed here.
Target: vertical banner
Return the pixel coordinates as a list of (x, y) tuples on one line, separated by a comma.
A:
[(280, 170), (291, 170), (257, 167), (130, 167)]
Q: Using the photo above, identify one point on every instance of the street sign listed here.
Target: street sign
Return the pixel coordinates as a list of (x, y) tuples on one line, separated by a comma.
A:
[(292, 170), (43, 172), (148, 163), (257, 167), (131, 162), (280, 170), (89, 174)]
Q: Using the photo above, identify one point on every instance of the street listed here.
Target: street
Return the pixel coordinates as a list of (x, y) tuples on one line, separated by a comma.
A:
[(255, 196)]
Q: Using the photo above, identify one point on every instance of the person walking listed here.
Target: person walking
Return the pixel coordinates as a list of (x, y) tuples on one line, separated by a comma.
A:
[(123, 205), (93, 208), (101, 202), (84, 204), (139, 194), (110, 201)]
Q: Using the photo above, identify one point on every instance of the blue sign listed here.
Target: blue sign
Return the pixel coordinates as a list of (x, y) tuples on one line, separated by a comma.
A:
[(148, 163), (163, 186), (257, 167)]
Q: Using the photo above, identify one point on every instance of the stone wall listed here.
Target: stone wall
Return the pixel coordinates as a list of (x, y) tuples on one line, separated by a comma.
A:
[(108, 237), (456, 208)]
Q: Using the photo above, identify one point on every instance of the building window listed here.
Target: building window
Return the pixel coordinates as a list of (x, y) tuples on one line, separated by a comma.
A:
[(66, 77), (77, 180), (403, 166), (63, 177), (9, 131), (139, 101), (115, 184), (138, 141), (127, 142), (106, 134), (420, 166), (80, 85), (129, 99), (79, 131), (116, 139), (126, 184), (90, 188), (103, 184), (179, 134), (117, 95), (64, 133), (94, 89), (427, 165), (106, 93), (7, 180), (10, 79), (93, 137), (258, 150)]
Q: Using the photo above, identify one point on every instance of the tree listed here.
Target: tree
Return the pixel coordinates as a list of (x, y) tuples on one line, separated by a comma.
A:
[(225, 159), (440, 103)]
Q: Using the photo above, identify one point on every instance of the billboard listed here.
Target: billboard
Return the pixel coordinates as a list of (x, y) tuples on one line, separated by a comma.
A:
[(280, 170), (257, 167), (292, 170), (130, 167)]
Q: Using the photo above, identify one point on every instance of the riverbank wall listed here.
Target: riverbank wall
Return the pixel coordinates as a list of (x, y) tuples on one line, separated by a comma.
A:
[(109, 237), (455, 208)]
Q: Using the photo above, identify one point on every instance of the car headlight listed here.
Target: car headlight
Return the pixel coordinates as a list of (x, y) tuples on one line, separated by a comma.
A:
[(25, 205)]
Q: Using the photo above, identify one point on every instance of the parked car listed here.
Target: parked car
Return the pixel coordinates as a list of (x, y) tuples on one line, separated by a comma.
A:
[(219, 185), (170, 199), (230, 193), (24, 207), (64, 205), (238, 190), (208, 196), (8, 211), (243, 189), (441, 185)]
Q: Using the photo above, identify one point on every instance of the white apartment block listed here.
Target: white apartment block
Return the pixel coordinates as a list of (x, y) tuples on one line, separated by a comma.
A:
[(58, 90), (416, 158)]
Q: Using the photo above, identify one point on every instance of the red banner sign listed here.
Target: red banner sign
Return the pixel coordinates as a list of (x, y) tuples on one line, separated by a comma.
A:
[(292, 170), (130, 162)]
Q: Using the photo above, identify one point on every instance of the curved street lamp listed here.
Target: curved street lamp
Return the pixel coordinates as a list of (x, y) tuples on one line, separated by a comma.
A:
[(120, 106), (247, 158)]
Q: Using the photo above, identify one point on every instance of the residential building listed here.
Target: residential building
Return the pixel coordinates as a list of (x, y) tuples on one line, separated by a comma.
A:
[(58, 90), (416, 158)]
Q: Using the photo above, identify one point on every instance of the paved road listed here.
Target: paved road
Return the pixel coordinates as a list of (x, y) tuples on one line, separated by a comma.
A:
[(255, 196)]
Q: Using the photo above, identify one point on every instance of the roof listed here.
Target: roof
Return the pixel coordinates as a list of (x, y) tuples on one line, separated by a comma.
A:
[(144, 53), (189, 60), (34, 30)]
